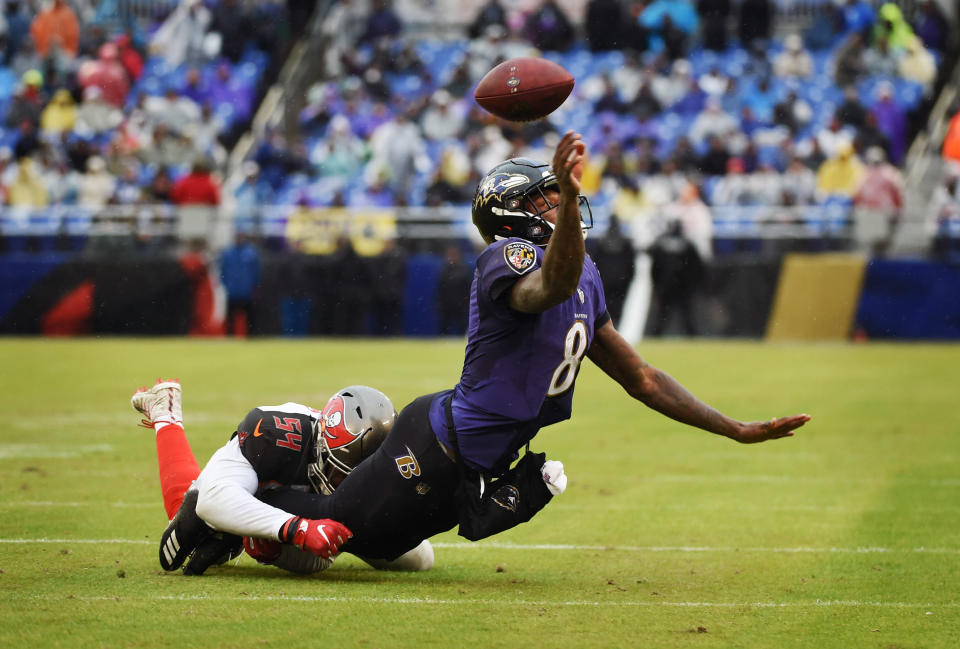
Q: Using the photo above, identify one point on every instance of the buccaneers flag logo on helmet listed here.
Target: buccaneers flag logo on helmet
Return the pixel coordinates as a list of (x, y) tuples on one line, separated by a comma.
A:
[(333, 425)]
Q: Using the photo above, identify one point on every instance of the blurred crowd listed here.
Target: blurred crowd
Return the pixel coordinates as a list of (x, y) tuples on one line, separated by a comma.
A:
[(676, 107), (688, 106), (119, 102)]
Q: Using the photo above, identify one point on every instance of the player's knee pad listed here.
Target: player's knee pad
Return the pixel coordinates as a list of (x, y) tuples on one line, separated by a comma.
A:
[(418, 559)]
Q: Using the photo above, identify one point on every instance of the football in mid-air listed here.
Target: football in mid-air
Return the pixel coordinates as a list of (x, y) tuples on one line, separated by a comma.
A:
[(524, 89)]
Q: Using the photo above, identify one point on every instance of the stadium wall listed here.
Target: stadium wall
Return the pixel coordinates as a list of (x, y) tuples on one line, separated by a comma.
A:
[(910, 300), (62, 294)]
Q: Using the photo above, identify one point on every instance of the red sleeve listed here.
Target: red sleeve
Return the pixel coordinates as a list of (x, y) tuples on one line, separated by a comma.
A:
[(176, 192), (214, 193)]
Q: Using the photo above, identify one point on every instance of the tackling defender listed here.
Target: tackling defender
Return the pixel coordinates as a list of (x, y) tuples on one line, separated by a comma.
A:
[(537, 307), (288, 444)]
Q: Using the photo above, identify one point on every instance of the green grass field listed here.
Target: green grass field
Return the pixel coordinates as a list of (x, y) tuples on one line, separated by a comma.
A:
[(844, 536)]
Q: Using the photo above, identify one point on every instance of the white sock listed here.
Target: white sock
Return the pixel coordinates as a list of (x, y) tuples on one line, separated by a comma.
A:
[(157, 425)]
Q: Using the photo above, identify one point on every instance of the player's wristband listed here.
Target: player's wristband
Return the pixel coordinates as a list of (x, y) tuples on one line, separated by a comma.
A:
[(288, 531)]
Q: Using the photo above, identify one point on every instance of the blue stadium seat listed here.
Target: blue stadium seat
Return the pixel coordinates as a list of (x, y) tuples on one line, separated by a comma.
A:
[(725, 224), (601, 204), (150, 85), (417, 195), (288, 195), (702, 61), (258, 58), (579, 62), (821, 62), (428, 50), (908, 93), (248, 72), (814, 222), (227, 112), (147, 173), (441, 67), (155, 66), (837, 217), (813, 94), (8, 83), (577, 117), (953, 228), (607, 61), (407, 86), (749, 218)]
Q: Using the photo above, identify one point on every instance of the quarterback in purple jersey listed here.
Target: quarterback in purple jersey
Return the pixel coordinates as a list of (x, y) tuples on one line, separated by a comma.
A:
[(536, 309), (519, 369)]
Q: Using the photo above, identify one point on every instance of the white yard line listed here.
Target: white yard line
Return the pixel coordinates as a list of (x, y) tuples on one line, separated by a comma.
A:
[(51, 503), (753, 478), (83, 541), (684, 548), (494, 545), (508, 602)]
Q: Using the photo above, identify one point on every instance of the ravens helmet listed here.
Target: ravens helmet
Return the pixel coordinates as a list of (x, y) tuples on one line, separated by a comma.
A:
[(503, 204), (350, 427)]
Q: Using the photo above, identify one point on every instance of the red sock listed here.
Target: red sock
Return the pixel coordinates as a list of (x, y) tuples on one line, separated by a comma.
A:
[(178, 466)]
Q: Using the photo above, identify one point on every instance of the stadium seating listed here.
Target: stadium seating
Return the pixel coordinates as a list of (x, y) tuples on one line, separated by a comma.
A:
[(441, 57), (234, 92)]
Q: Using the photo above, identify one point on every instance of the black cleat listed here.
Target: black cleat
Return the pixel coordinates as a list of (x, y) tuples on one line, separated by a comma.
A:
[(184, 534)]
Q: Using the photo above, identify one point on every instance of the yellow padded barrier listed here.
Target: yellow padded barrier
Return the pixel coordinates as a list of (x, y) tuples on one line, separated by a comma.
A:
[(817, 297)]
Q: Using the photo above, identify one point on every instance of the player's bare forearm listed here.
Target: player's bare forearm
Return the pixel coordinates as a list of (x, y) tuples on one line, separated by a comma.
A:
[(559, 274), (666, 395), (661, 392), (563, 260)]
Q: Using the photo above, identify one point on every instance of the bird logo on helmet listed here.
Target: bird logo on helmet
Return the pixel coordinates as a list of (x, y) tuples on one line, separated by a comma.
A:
[(494, 186), (503, 205)]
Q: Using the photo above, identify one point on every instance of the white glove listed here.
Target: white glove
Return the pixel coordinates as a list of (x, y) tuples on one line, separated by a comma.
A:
[(554, 477)]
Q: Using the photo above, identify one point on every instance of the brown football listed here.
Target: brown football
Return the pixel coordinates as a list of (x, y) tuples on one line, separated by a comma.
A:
[(524, 89)]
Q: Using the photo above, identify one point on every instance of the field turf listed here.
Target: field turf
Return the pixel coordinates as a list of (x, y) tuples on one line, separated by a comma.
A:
[(844, 536)]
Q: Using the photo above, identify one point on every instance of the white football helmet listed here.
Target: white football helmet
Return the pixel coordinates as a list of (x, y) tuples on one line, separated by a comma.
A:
[(350, 427)]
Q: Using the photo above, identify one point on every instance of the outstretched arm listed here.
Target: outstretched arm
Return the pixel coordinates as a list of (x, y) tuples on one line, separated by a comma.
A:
[(660, 391), (559, 274)]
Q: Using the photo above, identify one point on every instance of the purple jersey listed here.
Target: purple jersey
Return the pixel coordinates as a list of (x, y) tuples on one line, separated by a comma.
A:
[(519, 368)]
